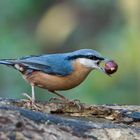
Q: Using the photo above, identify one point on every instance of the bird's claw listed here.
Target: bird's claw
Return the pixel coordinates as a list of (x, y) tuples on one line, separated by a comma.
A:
[(67, 102), (77, 103), (30, 103), (55, 99), (28, 97)]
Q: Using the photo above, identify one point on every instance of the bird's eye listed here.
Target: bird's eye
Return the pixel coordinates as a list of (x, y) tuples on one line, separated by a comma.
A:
[(92, 57)]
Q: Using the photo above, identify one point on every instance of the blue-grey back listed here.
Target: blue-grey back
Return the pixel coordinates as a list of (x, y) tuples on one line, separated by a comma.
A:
[(56, 64)]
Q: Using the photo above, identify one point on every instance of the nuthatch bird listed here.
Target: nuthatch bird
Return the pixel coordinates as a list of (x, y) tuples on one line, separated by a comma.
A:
[(56, 72)]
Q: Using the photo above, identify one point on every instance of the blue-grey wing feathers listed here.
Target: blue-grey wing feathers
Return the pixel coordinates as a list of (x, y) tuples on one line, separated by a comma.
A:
[(51, 64)]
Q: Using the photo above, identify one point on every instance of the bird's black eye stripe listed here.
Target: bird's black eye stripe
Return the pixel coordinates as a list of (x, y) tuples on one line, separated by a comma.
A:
[(93, 57)]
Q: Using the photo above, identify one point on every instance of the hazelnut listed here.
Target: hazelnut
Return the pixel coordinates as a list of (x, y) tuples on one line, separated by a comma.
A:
[(111, 67)]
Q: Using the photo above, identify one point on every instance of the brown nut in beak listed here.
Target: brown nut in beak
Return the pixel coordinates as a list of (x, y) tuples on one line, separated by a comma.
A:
[(110, 67)]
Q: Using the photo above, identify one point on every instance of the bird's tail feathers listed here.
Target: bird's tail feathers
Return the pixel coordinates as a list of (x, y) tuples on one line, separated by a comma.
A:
[(7, 62)]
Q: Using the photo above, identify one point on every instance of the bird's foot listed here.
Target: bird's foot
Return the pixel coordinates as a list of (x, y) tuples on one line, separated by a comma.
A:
[(30, 102), (28, 97), (77, 103), (70, 103), (59, 100)]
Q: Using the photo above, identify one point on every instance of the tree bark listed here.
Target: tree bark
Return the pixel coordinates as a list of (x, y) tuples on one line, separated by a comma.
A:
[(63, 120)]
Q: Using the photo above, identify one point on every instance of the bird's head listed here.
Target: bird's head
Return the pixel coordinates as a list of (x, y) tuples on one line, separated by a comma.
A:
[(89, 58)]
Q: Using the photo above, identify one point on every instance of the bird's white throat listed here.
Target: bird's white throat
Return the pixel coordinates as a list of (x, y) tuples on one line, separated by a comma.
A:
[(88, 63)]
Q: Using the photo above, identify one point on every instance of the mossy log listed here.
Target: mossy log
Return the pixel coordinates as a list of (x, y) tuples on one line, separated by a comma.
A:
[(67, 120)]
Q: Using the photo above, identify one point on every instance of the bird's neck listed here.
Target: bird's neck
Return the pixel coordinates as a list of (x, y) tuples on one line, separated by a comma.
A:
[(81, 70)]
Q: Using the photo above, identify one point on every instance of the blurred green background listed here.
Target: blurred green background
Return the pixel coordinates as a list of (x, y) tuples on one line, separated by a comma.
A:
[(51, 26)]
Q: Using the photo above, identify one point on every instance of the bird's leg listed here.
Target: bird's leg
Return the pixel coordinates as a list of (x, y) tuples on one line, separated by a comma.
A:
[(33, 93), (61, 97), (68, 102), (31, 98)]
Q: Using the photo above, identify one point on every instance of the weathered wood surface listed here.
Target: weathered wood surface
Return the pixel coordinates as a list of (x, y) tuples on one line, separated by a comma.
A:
[(57, 120)]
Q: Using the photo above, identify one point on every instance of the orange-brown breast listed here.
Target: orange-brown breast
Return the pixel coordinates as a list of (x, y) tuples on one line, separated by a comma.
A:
[(54, 82)]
